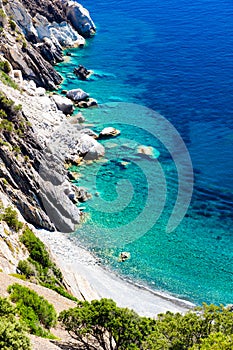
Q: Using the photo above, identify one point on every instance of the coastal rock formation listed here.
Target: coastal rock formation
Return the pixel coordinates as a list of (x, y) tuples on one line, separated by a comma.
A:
[(63, 104), (90, 102), (79, 18), (77, 95), (109, 132), (36, 137), (89, 148), (59, 33), (34, 33)]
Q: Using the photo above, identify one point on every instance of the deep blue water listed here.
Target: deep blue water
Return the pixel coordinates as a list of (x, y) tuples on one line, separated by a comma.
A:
[(177, 59)]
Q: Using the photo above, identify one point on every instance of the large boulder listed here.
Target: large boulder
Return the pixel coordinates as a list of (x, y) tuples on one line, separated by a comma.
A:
[(89, 148), (109, 132), (90, 102), (79, 18), (77, 95), (64, 104)]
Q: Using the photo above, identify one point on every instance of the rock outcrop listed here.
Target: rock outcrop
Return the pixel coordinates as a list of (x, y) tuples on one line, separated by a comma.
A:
[(109, 132), (79, 18), (64, 104), (77, 95), (36, 138), (34, 34)]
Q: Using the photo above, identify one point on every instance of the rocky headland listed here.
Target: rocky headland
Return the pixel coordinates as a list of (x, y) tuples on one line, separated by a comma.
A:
[(40, 137)]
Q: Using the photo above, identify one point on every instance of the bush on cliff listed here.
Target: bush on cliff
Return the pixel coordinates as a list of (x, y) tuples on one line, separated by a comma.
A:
[(33, 309), (10, 216), (40, 265), (36, 248), (12, 333)]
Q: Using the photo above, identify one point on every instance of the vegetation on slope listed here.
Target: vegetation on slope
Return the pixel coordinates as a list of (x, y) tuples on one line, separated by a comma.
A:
[(4, 75), (12, 332), (35, 311), (40, 266), (103, 325)]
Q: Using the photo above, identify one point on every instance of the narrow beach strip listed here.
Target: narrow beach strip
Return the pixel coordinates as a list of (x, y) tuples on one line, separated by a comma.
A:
[(88, 280)]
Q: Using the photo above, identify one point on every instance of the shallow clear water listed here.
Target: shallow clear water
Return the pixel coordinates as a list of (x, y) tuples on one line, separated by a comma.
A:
[(175, 58)]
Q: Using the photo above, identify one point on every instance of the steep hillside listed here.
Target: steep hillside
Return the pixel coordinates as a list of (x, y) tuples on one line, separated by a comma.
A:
[(31, 175)]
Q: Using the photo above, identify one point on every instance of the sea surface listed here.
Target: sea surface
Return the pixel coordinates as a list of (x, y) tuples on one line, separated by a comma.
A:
[(172, 59)]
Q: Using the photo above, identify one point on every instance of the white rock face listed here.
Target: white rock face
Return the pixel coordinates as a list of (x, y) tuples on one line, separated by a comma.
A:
[(77, 95), (80, 18), (61, 33), (64, 104), (22, 17)]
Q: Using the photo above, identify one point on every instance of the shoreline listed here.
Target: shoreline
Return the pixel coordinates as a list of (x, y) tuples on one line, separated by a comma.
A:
[(88, 280)]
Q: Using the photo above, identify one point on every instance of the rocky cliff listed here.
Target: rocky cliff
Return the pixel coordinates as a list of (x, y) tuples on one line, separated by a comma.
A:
[(32, 175)]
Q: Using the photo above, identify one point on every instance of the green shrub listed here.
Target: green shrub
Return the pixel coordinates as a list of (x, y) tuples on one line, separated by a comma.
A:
[(10, 216), (4, 143), (2, 114), (36, 312), (6, 67), (12, 24), (26, 268), (12, 333), (35, 247), (2, 13), (6, 308), (40, 265), (6, 125), (5, 79)]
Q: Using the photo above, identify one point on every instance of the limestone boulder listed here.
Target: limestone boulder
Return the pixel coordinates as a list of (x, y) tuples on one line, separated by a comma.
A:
[(64, 104), (89, 148), (109, 132), (77, 95), (79, 18)]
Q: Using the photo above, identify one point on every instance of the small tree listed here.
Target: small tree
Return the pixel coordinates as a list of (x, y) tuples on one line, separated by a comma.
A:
[(102, 325)]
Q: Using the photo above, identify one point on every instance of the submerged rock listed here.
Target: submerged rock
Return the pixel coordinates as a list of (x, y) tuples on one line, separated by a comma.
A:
[(148, 151), (124, 256)]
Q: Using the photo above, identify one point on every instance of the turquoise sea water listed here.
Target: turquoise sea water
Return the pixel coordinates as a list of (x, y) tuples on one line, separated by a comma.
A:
[(174, 58)]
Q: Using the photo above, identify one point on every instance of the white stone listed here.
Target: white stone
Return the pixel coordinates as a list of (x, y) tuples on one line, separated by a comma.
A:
[(40, 91), (109, 132), (77, 95), (64, 104), (80, 18), (90, 148), (61, 34)]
